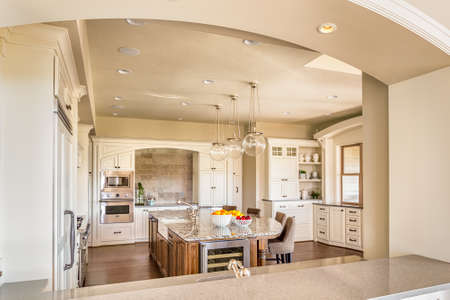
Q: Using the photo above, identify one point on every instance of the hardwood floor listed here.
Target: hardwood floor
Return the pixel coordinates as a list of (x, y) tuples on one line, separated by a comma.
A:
[(113, 264)]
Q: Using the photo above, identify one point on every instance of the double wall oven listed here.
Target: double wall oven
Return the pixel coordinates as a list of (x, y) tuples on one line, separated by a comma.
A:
[(116, 197)]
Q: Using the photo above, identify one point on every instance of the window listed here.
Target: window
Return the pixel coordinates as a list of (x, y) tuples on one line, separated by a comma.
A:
[(277, 151), (351, 174), (291, 151)]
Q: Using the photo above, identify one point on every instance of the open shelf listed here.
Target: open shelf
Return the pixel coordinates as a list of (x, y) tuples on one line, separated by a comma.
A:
[(310, 180), (310, 163)]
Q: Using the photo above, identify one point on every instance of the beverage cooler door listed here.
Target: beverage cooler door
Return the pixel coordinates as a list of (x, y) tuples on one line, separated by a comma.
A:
[(215, 256)]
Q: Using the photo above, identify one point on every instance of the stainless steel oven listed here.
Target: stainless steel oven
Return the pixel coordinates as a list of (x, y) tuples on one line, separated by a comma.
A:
[(117, 181), (116, 208), (215, 256)]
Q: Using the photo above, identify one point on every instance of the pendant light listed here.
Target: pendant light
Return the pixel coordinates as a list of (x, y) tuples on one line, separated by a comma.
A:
[(234, 144), (254, 142), (218, 150)]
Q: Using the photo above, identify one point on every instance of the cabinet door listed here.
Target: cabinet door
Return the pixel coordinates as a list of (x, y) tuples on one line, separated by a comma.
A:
[(290, 189), (125, 160), (277, 168), (276, 190), (290, 169), (204, 162), (236, 166), (108, 162), (219, 188), (205, 197), (138, 223), (218, 165), (337, 225), (172, 259), (237, 191)]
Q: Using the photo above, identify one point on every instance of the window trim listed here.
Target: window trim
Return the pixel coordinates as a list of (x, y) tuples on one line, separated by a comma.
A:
[(360, 174)]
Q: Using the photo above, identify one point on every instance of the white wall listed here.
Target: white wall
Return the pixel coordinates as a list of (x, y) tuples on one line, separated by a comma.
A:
[(419, 149), (27, 139), (332, 165)]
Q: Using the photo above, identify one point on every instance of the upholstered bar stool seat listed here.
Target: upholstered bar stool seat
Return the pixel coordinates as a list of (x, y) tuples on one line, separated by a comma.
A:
[(283, 246), (230, 207)]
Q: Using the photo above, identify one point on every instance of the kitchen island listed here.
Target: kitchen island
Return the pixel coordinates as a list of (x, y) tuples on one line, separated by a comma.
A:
[(175, 239)]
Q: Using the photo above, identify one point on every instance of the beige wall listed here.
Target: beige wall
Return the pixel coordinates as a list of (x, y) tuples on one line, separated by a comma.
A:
[(419, 149), (375, 168), (167, 172)]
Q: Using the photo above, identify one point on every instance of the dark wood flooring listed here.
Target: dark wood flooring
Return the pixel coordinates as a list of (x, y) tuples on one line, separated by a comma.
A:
[(113, 264)]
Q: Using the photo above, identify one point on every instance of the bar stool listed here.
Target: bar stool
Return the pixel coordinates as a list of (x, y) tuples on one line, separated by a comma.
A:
[(281, 217), (230, 207), (254, 212), (283, 246)]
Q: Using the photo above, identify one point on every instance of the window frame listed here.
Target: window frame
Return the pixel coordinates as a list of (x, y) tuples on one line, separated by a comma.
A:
[(360, 175)]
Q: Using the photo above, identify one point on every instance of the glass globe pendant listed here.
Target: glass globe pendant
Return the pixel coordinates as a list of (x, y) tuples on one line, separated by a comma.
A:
[(234, 144), (235, 149), (218, 150), (254, 142)]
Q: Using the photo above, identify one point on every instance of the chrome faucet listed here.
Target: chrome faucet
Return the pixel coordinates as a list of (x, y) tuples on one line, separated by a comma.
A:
[(193, 210), (238, 269)]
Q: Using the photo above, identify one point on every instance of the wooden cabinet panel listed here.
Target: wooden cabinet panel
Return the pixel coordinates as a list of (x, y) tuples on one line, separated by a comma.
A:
[(153, 230), (337, 225)]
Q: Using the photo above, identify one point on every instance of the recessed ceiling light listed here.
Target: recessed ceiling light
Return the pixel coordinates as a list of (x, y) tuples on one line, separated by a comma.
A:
[(117, 106), (327, 28), (185, 103), (250, 42), (180, 119), (208, 81), (286, 113), (332, 97), (135, 22), (129, 51), (117, 98), (123, 71), (115, 114)]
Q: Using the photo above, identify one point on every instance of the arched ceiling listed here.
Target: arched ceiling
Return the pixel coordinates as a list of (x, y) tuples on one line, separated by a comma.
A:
[(366, 40)]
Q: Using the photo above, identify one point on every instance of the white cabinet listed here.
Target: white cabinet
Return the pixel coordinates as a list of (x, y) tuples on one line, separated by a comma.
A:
[(141, 224), (337, 225), (234, 182), (301, 211), (120, 233), (282, 172), (212, 182), (283, 189), (123, 161)]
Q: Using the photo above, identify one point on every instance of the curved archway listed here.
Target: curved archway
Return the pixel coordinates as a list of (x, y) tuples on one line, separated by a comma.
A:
[(365, 39)]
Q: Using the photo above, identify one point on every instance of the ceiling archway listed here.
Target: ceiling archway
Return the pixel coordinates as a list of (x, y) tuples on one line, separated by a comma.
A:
[(365, 39)]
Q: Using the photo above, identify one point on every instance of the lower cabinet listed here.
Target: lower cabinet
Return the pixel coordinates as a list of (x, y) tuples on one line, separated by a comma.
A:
[(338, 226), (141, 224), (302, 212), (120, 233)]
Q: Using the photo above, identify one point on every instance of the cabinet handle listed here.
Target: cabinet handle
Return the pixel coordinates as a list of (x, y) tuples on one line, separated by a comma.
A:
[(352, 240), (352, 211), (213, 168), (237, 189), (69, 107), (321, 208), (301, 205), (342, 210), (283, 206), (352, 220), (117, 232), (323, 219), (284, 196), (352, 230), (321, 232)]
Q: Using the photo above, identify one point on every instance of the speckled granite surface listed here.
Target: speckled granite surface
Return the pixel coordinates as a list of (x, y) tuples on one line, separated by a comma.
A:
[(201, 229)]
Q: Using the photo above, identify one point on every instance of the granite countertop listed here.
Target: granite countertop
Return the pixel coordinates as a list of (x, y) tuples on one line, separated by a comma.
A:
[(298, 200), (202, 229), (350, 281), (339, 205), (165, 206)]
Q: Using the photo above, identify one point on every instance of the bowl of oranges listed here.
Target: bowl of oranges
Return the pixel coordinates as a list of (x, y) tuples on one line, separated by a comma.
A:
[(223, 217)]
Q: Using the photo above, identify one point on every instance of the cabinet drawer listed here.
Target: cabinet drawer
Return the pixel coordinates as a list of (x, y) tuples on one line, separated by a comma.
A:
[(322, 219), (353, 212), (116, 233), (353, 240), (353, 221), (352, 230), (323, 209), (322, 233)]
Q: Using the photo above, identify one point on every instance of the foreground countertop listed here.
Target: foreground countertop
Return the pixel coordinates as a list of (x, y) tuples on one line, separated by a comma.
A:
[(202, 229), (357, 280)]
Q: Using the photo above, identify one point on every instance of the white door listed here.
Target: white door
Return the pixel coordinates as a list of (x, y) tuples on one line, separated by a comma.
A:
[(108, 162), (290, 188), (125, 160), (65, 270), (204, 191), (337, 225), (219, 189), (276, 190)]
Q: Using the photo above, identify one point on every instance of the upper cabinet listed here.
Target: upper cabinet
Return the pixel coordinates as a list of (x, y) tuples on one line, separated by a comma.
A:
[(123, 161)]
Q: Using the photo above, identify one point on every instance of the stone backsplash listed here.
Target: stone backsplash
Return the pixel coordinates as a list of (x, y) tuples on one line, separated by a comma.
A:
[(165, 172)]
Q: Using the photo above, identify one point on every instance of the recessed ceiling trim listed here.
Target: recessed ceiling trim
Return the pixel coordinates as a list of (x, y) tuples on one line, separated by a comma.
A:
[(411, 18), (325, 62)]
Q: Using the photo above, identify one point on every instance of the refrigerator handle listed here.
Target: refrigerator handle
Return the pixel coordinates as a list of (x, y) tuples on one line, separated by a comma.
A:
[(72, 239)]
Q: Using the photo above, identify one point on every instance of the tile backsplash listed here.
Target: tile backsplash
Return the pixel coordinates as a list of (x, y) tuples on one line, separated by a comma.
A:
[(167, 172)]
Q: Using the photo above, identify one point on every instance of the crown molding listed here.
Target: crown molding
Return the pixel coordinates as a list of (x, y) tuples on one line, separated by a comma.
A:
[(411, 18)]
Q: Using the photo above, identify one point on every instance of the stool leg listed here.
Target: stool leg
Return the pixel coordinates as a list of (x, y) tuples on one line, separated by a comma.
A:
[(289, 257), (278, 258), (282, 258)]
